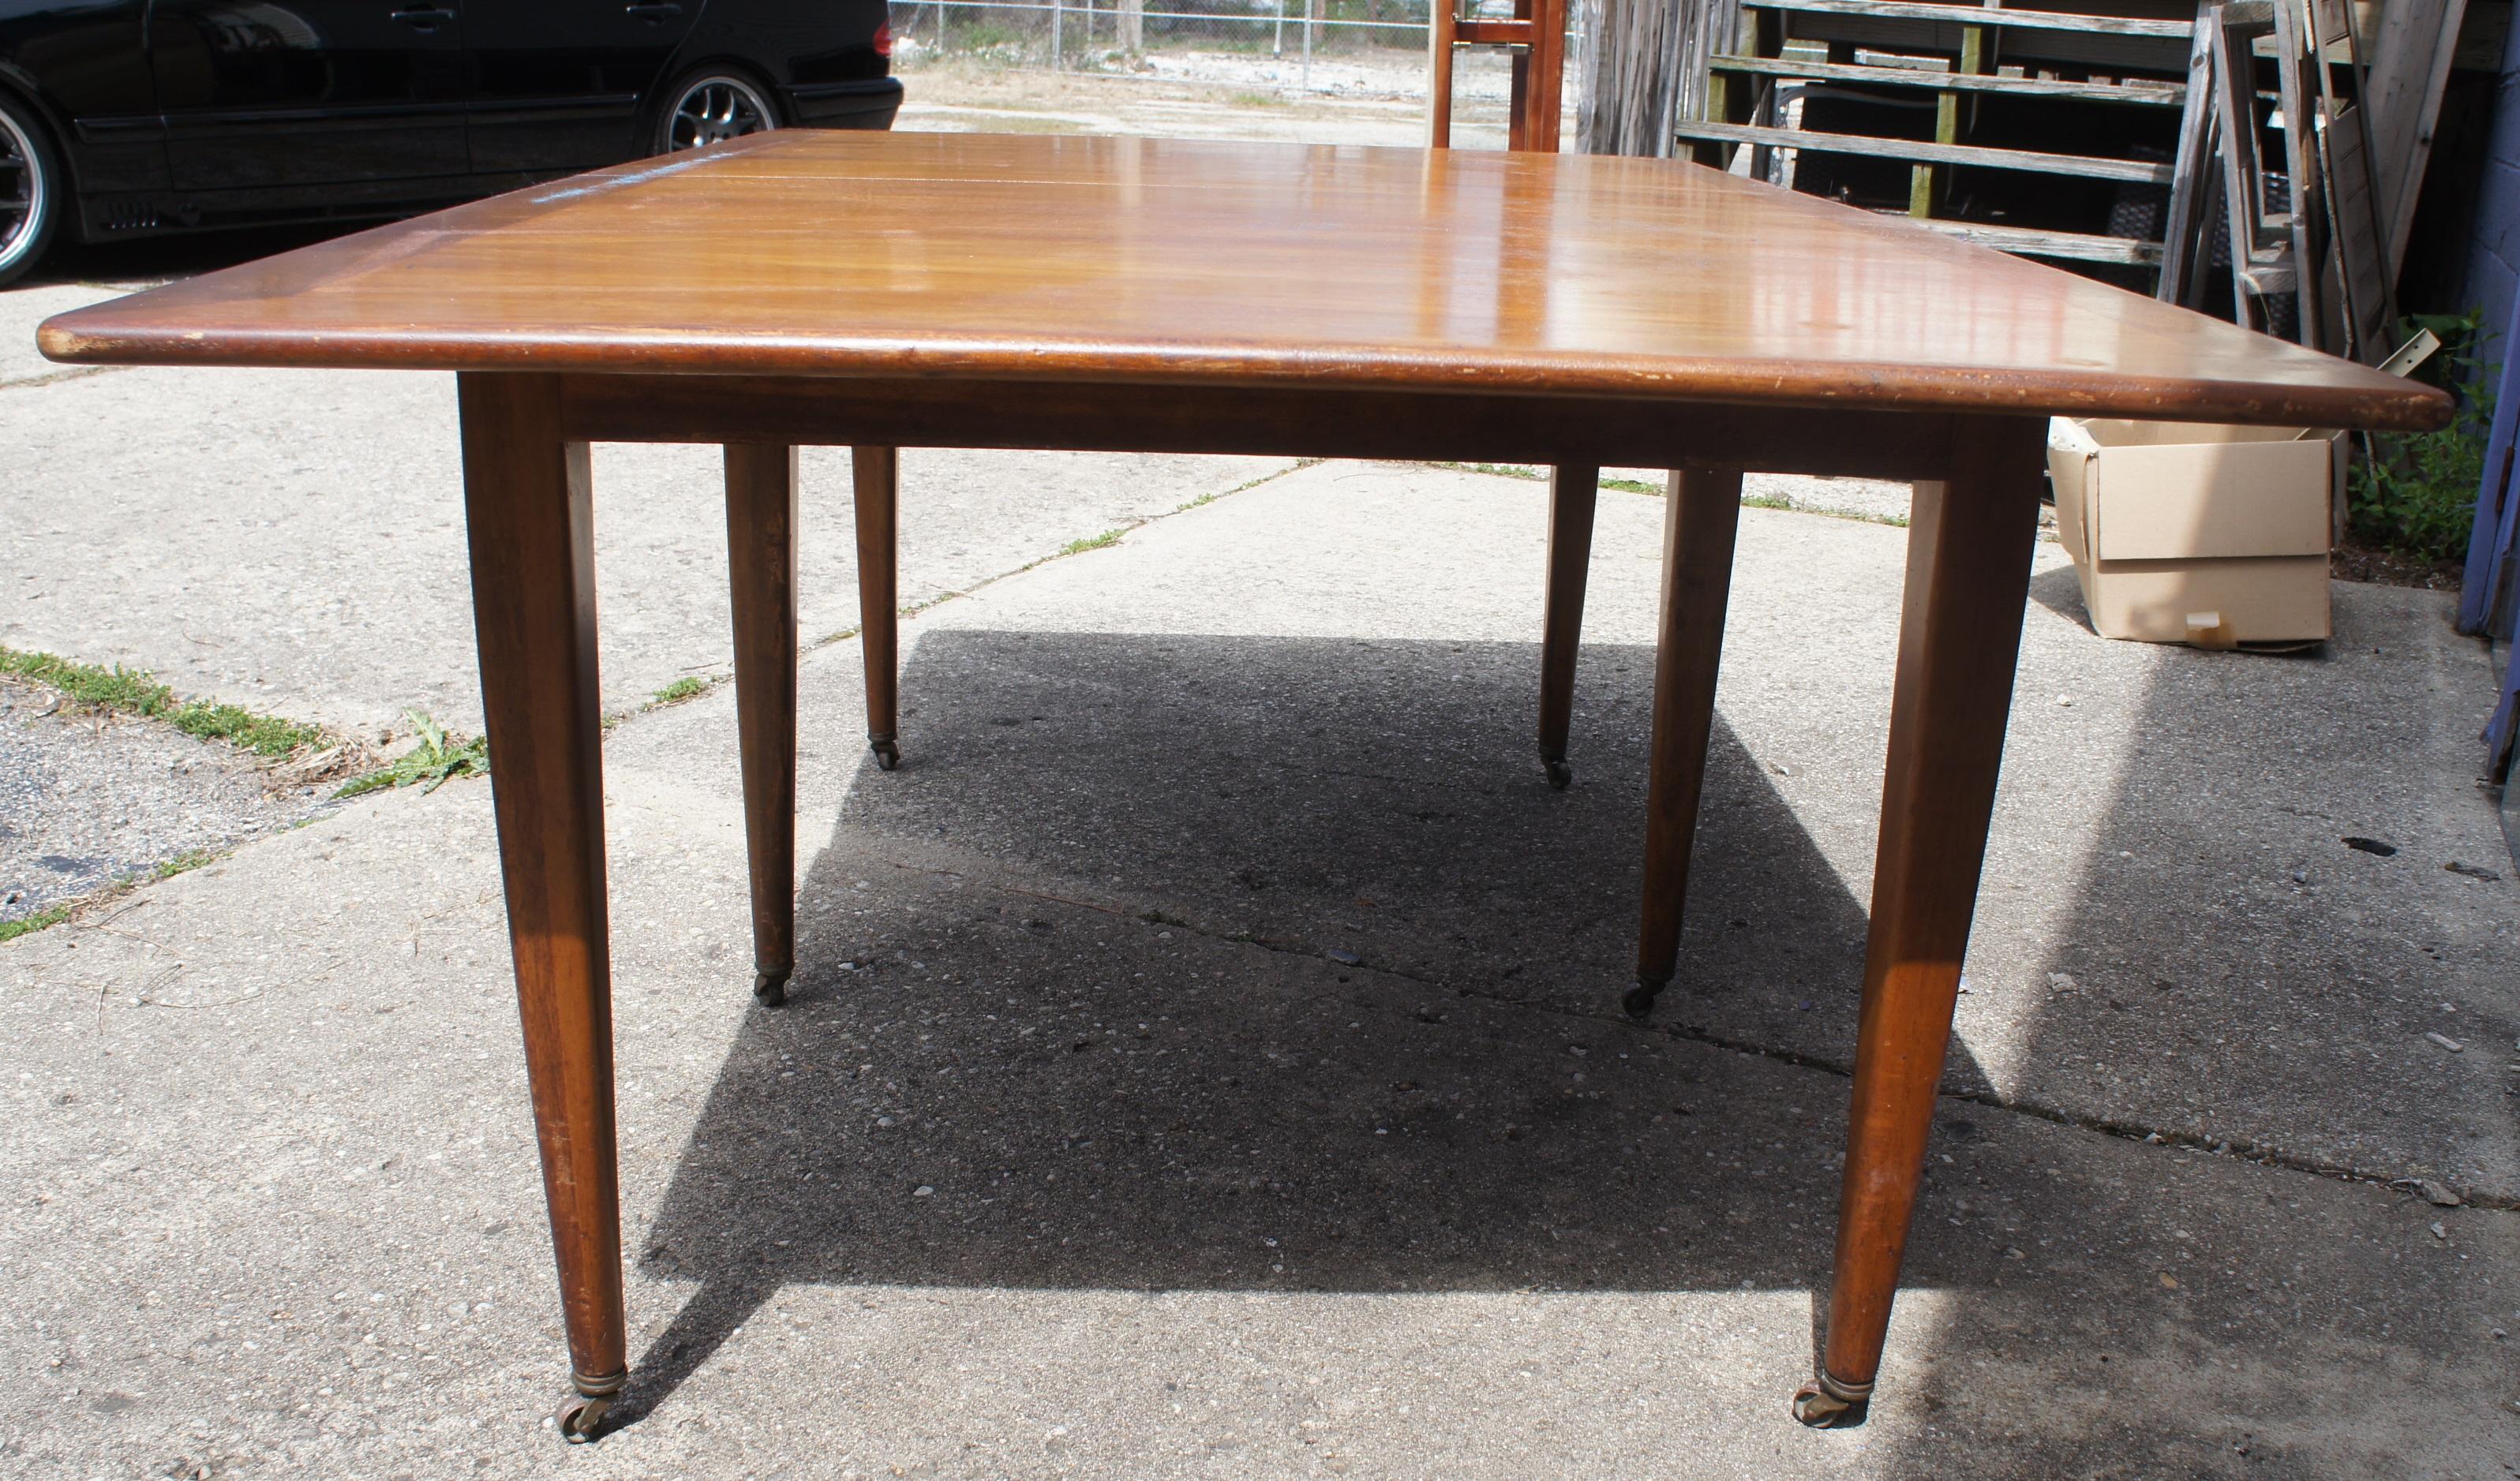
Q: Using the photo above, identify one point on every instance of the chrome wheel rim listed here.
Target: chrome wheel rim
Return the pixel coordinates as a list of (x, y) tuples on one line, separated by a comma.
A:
[(23, 192), (713, 111)]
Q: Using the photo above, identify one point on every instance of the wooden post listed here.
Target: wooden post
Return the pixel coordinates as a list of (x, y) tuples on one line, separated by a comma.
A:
[(1439, 74), (1548, 75), (1928, 184)]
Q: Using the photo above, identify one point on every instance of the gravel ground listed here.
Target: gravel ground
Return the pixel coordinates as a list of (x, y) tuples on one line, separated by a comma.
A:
[(88, 798)]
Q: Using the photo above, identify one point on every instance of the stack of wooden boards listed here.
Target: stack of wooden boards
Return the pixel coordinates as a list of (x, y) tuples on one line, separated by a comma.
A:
[(2309, 251), (2157, 139)]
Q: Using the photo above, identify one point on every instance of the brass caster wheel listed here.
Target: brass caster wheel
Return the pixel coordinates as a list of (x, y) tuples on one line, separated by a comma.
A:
[(580, 1415), (1817, 1405), (1640, 999), (887, 756), (770, 989), (1560, 775)]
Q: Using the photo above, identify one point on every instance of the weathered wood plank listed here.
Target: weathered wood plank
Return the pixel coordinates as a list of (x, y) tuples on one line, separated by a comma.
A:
[(2032, 241), (2160, 95), (2183, 224), (1958, 15), (2139, 170), (2411, 63)]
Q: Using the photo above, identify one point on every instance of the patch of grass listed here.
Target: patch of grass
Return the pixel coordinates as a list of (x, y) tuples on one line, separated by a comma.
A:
[(437, 759), (1210, 497), (1102, 541), (1641, 486), (1541, 476), (687, 687), (117, 688), (980, 37), (263, 735), (1773, 501), (1498, 469), (2415, 496), (184, 863), (27, 925), (135, 691)]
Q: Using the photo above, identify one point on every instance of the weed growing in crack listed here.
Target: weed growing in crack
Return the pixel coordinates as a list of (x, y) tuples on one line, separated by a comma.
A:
[(437, 759), (1102, 541), (136, 691), (27, 925)]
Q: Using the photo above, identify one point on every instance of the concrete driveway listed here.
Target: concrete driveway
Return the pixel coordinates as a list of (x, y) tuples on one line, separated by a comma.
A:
[(1204, 1059)]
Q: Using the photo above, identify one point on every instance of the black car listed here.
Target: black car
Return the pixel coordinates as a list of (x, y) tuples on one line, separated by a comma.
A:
[(125, 116)]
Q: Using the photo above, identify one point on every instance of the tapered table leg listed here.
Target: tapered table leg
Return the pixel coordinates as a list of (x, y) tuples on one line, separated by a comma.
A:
[(761, 562), (1959, 635), (878, 478), (1701, 516), (1573, 492), (528, 510)]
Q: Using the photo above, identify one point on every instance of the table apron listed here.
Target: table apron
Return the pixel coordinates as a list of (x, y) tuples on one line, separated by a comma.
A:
[(1271, 420)]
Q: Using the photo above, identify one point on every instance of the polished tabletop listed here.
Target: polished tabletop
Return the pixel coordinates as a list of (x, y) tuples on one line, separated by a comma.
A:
[(1025, 258)]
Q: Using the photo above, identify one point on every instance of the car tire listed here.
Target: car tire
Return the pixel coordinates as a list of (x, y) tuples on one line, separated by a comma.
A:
[(711, 106), (33, 190)]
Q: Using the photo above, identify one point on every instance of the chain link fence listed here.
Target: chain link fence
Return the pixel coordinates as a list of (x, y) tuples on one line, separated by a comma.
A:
[(1357, 48)]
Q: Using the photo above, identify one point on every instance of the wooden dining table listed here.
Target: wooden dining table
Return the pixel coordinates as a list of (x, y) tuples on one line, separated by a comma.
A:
[(1129, 294)]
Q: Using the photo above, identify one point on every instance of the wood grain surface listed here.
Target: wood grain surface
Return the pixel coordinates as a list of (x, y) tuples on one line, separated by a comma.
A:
[(1117, 260)]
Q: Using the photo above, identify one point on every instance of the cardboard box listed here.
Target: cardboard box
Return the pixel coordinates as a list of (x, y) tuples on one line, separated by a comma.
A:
[(2199, 533)]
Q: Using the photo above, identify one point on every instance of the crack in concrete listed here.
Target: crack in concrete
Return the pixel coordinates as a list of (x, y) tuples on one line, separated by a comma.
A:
[(2137, 1132), (65, 373), (621, 718)]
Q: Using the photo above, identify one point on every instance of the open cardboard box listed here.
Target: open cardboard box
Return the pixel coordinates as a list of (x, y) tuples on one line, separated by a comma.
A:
[(2199, 533)]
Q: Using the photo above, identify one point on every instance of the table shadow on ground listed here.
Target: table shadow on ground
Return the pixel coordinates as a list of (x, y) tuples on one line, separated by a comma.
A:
[(1099, 1100), (1101, 1094)]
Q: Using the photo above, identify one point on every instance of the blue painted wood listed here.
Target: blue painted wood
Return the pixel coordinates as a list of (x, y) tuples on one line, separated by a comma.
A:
[(2490, 539), (2491, 582), (2494, 287), (2498, 731), (2492, 577)]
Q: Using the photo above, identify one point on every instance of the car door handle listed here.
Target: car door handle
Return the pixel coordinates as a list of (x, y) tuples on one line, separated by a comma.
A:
[(423, 17), (653, 10)]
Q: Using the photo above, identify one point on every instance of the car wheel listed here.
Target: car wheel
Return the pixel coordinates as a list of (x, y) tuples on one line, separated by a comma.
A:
[(31, 194), (711, 107)]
